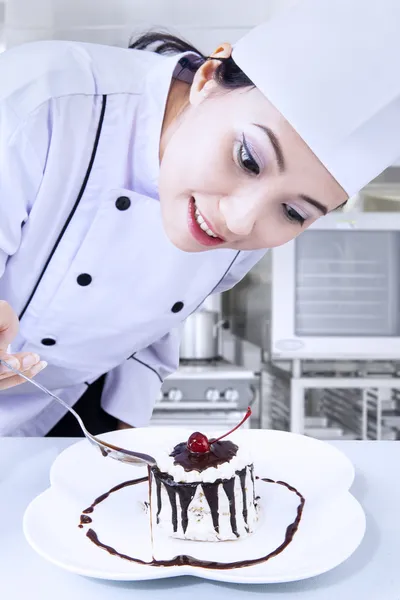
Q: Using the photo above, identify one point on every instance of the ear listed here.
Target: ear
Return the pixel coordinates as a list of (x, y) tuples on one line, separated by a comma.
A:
[(203, 82)]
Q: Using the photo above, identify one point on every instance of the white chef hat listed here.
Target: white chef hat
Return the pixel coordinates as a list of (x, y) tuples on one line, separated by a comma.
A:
[(332, 69)]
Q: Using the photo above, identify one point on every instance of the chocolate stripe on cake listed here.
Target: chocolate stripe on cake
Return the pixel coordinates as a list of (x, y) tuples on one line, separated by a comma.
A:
[(242, 476), (186, 495), (172, 498), (251, 467), (229, 488), (159, 505), (187, 492), (211, 495)]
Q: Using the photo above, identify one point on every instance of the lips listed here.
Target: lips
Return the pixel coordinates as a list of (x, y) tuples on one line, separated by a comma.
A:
[(197, 232), (204, 225)]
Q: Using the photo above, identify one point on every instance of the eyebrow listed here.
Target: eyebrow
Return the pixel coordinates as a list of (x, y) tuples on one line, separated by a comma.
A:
[(321, 207), (275, 144), (282, 166)]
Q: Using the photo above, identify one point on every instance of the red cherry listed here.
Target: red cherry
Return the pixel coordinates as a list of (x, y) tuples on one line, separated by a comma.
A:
[(198, 443)]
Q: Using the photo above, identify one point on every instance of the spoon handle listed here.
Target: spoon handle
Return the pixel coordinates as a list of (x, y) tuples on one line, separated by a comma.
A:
[(38, 385), (118, 453)]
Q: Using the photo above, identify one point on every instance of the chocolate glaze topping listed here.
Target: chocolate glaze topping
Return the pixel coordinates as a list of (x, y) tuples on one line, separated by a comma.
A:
[(220, 452), (184, 559)]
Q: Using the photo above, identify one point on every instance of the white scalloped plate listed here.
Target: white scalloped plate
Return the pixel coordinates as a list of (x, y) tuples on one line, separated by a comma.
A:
[(332, 526)]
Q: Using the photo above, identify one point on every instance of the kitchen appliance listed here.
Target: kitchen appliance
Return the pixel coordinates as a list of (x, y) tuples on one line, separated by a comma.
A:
[(334, 405), (208, 394), (332, 293), (336, 290), (200, 336)]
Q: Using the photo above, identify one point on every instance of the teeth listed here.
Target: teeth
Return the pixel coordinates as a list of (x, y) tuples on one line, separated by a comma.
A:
[(199, 218), (203, 224)]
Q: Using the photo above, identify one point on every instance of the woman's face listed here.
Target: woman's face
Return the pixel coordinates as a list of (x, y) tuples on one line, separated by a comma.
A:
[(234, 173)]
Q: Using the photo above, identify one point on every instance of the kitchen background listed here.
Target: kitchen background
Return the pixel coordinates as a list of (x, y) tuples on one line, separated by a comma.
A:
[(311, 337)]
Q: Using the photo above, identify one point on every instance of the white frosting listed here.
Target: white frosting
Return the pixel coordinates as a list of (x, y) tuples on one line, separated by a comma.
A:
[(165, 463), (200, 524)]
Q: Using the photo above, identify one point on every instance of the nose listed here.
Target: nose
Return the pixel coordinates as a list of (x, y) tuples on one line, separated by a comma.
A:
[(240, 214)]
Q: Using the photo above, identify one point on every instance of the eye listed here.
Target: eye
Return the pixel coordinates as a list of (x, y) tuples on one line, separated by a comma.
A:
[(246, 160), (292, 215)]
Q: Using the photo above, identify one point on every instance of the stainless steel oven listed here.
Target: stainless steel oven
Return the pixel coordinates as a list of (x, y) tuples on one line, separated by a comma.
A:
[(208, 394), (332, 293)]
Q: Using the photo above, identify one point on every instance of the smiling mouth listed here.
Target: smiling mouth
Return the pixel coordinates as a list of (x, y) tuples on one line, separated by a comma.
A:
[(201, 222), (200, 228)]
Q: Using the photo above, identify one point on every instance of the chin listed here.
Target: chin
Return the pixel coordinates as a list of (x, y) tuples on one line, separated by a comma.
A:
[(178, 238), (184, 246)]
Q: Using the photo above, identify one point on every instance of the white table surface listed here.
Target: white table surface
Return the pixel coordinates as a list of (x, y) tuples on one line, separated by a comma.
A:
[(372, 573)]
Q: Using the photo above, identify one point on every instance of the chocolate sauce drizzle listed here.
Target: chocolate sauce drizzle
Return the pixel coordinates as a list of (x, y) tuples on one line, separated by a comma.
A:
[(220, 452), (183, 559), (85, 520)]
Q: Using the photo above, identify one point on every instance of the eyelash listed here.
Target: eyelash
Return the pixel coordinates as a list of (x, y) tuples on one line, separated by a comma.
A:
[(292, 215), (245, 156)]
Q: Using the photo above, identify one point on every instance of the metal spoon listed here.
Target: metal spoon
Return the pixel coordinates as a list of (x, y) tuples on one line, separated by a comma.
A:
[(134, 458)]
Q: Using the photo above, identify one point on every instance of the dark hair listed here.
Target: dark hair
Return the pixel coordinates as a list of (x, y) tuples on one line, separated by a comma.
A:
[(228, 74)]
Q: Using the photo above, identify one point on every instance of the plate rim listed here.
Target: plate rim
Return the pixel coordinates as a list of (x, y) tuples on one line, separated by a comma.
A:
[(274, 432), (150, 573), (231, 576)]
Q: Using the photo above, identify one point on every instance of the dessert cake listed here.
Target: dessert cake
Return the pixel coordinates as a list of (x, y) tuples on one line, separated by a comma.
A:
[(204, 490)]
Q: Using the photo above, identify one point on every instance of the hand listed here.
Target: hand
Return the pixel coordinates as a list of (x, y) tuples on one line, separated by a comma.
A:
[(27, 362), (122, 425)]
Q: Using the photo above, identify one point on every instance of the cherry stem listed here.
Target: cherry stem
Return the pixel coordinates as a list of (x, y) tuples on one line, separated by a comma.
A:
[(247, 415)]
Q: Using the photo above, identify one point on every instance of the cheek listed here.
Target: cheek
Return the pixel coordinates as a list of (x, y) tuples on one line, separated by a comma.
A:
[(272, 229), (198, 158), (279, 238)]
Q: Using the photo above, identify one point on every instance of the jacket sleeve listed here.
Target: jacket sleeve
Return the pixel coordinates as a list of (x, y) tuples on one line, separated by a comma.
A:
[(131, 389), (21, 173), (241, 264)]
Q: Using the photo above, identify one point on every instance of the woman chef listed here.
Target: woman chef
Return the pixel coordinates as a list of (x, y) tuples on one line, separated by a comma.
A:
[(134, 185)]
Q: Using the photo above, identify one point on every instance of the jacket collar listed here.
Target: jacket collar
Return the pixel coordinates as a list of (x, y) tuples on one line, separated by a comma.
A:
[(150, 116)]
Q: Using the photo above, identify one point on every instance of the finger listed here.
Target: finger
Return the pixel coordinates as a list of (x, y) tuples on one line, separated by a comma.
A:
[(9, 382), (20, 360), (8, 325)]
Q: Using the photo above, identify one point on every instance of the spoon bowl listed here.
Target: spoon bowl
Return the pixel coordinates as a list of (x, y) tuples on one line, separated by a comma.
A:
[(106, 449)]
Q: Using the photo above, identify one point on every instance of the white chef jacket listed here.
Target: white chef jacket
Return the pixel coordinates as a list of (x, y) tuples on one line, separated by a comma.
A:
[(84, 260)]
